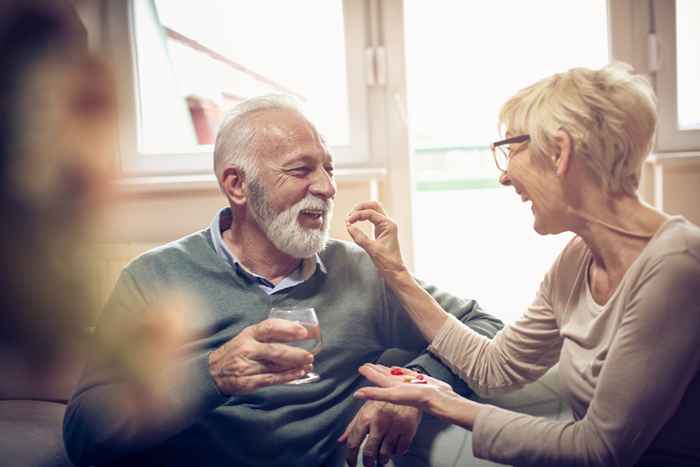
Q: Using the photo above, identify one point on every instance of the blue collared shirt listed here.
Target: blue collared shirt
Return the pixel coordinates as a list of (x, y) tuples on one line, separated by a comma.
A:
[(222, 221)]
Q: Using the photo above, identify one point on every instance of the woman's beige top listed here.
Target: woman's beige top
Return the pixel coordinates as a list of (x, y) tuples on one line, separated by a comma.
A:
[(629, 368)]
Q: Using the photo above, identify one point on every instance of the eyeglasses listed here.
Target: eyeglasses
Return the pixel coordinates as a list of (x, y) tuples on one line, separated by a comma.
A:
[(502, 151)]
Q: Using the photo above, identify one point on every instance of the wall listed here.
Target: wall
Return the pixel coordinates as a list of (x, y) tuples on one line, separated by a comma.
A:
[(671, 182), (154, 212)]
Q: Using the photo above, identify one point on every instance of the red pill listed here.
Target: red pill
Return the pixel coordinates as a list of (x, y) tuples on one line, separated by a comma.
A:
[(396, 371)]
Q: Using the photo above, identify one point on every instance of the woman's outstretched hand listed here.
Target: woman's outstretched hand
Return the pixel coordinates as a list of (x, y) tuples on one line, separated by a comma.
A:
[(405, 387), (384, 248)]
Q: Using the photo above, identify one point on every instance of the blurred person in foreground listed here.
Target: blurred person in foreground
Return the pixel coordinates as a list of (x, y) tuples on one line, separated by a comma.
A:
[(57, 112), (268, 248), (618, 310), (56, 132), (57, 144)]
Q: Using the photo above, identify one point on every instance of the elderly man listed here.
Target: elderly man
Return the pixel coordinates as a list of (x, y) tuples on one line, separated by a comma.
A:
[(224, 404)]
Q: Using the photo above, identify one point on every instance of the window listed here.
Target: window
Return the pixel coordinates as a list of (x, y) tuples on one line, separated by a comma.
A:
[(464, 60), (688, 51), (192, 61), (677, 74)]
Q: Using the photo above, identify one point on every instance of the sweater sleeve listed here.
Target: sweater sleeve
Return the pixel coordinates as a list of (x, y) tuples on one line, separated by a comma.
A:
[(107, 418), (519, 354), (654, 356), (404, 333)]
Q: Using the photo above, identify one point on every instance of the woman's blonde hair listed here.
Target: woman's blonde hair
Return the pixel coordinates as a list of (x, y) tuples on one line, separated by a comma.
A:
[(610, 115)]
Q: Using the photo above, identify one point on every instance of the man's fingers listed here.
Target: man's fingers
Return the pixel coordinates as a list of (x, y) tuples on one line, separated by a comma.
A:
[(388, 447), (278, 330), (278, 357), (251, 383), (347, 431), (354, 439), (402, 445), (403, 429), (379, 425), (370, 451)]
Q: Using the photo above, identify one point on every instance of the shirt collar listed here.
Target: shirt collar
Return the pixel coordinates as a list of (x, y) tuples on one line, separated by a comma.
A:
[(223, 220)]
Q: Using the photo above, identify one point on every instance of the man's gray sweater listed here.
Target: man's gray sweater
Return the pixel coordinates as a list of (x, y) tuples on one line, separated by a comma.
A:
[(275, 426)]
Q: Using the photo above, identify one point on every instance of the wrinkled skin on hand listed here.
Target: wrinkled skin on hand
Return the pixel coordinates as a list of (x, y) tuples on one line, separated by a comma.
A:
[(257, 357), (389, 430)]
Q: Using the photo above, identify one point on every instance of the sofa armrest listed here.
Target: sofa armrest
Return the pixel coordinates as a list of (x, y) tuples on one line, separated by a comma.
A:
[(32, 434)]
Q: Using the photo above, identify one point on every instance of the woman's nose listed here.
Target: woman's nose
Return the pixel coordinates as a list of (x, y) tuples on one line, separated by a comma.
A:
[(504, 179)]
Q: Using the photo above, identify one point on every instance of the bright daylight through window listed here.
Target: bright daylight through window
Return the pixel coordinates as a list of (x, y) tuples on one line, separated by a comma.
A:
[(688, 51), (195, 60), (464, 60)]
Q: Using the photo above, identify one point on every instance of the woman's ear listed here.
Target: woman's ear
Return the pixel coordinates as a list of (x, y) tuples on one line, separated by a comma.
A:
[(233, 185), (562, 159)]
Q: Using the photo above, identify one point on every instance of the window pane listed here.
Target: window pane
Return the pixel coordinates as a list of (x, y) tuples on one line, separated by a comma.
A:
[(688, 65), (164, 121), (464, 59), (217, 53)]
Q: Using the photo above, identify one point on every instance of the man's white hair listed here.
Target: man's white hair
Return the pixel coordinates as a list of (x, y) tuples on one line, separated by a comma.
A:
[(235, 141)]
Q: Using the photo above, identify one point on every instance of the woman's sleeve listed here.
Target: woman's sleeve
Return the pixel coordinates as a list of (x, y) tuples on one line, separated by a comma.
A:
[(520, 353), (653, 358)]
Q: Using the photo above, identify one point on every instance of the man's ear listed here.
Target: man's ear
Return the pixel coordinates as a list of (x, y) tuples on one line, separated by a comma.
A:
[(233, 184), (562, 159)]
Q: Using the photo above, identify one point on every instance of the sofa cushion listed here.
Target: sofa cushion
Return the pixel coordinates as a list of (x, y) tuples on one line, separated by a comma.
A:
[(32, 434), (32, 378)]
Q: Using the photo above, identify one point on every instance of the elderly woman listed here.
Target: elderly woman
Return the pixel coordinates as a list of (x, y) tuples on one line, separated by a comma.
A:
[(619, 310)]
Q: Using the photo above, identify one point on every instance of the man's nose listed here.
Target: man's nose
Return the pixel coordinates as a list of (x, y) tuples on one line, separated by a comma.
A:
[(323, 185), (504, 179)]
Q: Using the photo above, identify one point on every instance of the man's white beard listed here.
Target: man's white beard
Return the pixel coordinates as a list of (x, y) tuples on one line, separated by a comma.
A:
[(284, 230)]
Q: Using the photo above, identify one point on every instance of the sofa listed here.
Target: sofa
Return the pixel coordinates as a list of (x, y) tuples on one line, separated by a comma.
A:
[(33, 398)]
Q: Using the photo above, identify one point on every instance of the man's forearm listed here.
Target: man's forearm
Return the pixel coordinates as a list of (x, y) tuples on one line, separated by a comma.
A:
[(107, 421)]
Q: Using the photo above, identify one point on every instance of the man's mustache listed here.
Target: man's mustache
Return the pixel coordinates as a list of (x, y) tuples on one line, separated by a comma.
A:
[(315, 203)]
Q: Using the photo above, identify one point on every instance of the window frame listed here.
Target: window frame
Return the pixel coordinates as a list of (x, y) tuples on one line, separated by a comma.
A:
[(669, 138), (131, 162)]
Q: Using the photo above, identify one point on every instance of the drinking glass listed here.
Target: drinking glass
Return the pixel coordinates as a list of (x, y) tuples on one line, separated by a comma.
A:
[(307, 318)]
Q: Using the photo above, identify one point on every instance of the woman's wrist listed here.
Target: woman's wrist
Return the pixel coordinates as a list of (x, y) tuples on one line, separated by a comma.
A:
[(456, 409), (399, 278), (419, 304)]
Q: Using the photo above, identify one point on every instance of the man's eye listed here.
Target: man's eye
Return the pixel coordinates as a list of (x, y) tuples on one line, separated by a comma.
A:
[(330, 170), (300, 170)]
